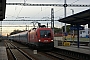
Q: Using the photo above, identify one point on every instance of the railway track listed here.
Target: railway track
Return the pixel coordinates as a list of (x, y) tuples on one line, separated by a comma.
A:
[(16, 53), (29, 51), (70, 55), (64, 56), (54, 57), (14, 50), (56, 54)]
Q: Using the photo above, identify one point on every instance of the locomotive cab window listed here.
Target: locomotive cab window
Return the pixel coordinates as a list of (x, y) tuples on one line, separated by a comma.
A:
[(49, 34), (45, 33)]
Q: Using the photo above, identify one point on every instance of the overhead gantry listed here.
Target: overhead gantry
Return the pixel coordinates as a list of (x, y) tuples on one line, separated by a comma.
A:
[(58, 5)]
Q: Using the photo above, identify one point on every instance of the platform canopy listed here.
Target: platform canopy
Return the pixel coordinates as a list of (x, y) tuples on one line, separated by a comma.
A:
[(2, 9), (81, 18)]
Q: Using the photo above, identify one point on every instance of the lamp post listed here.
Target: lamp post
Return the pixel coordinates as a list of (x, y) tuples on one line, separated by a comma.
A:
[(73, 25), (65, 5), (65, 32)]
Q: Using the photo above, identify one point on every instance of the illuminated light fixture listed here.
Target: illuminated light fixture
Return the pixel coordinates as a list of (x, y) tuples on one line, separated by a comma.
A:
[(39, 40), (51, 40)]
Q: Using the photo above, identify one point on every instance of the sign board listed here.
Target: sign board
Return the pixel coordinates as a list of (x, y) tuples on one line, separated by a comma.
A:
[(75, 27)]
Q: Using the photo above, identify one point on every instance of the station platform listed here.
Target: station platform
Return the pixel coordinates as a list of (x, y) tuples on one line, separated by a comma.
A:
[(81, 49), (3, 53)]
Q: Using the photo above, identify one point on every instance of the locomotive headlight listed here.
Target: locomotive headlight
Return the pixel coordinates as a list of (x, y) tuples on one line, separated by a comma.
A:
[(51, 40), (39, 40)]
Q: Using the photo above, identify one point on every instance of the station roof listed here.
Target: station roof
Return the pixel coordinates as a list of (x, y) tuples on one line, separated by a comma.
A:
[(81, 18), (2, 9)]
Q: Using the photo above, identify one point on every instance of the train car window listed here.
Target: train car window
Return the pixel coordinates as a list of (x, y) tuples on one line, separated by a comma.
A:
[(45, 33)]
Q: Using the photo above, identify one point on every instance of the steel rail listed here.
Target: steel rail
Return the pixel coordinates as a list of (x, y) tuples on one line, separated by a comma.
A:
[(22, 52), (14, 57)]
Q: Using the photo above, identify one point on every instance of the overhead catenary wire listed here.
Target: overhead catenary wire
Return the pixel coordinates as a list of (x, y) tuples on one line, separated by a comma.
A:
[(62, 8), (21, 9), (43, 10), (15, 9)]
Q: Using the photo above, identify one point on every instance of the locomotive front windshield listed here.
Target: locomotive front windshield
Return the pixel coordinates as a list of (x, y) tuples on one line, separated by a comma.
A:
[(45, 33)]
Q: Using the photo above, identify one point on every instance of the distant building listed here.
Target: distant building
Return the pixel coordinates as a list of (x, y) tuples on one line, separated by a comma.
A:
[(84, 33)]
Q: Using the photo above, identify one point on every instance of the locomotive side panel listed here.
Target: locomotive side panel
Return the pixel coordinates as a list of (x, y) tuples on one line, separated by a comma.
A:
[(33, 37)]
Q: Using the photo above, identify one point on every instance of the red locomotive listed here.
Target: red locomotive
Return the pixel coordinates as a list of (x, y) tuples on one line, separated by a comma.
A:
[(37, 37)]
